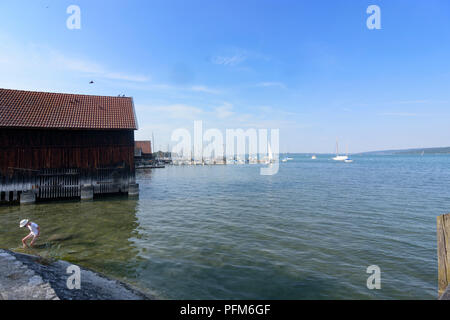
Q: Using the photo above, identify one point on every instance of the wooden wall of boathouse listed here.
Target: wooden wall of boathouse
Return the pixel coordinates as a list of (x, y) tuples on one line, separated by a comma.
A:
[(57, 163)]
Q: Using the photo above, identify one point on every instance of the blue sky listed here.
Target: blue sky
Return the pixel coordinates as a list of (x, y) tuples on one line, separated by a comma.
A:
[(310, 68)]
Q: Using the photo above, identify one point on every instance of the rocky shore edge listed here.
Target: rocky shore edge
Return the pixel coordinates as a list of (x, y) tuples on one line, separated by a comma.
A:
[(28, 277)]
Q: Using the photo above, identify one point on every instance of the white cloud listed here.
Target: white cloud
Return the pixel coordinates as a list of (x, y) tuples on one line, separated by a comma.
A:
[(174, 111), (36, 58), (412, 102), (125, 77), (224, 111), (204, 89), (233, 56), (276, 112), (400, 114), (74, 64), (92, 68), (230, 60), (271, 84)]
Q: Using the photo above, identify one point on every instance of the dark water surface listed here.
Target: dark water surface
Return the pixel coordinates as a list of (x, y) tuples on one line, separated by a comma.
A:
[(226, 232)]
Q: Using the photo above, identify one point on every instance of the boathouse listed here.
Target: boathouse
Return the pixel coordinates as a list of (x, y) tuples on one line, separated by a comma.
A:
[(143, 150), (57, 145)]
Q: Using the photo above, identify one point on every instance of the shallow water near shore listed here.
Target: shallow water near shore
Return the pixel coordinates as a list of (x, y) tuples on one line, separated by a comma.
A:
[(226, 232)]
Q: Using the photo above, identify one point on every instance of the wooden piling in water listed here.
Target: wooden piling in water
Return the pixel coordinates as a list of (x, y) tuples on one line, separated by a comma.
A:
[(443, 251)]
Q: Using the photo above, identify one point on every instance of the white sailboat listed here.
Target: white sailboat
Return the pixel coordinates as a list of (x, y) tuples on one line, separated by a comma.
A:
[(348, 160), (286, 158), (269, 158), (338, 157), (270, 154)]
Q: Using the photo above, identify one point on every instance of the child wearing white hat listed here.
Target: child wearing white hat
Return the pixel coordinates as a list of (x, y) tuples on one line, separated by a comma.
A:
[(35, 231)]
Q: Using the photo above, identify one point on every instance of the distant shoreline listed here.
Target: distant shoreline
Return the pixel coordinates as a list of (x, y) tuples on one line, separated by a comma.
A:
[(411, 151), (438, 150)]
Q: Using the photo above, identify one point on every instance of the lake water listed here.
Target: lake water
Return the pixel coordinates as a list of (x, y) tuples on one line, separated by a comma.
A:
[(226, 232)]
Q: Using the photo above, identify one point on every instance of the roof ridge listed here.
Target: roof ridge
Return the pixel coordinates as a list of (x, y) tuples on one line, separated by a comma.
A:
[(73, 94)]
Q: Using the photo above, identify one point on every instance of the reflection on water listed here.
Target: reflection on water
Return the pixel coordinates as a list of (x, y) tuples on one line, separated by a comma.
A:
[(98, 234)]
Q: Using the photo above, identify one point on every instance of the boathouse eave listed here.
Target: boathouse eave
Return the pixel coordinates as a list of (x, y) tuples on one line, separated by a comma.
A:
[(134, 113), (67, 129)]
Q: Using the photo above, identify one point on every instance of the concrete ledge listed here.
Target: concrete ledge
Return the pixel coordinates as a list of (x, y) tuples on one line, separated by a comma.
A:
[(27, 197), (27, 277), (133, 190), (87, 192)]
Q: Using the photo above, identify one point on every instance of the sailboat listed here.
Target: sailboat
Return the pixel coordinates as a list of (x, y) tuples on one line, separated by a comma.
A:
[(338, 157), (270, 154), (269, 158), (348, 160), (286, 158)]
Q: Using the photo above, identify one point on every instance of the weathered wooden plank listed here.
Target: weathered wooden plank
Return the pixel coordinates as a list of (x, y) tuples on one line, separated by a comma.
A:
[(443, 248), (39, 149)]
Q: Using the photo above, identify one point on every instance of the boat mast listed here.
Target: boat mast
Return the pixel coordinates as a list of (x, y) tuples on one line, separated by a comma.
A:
[(154, 146)]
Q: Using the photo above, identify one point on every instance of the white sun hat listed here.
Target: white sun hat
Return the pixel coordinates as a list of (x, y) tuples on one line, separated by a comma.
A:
[(23, 223)]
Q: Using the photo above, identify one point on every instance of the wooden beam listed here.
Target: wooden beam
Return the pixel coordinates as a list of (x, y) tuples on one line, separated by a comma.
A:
[(443, 247)]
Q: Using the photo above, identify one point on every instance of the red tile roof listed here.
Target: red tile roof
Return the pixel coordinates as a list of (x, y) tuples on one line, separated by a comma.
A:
[(145, 146), (29, 109)]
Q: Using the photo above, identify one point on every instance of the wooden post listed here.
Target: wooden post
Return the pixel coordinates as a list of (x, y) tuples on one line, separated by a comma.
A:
[(443, 247)]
